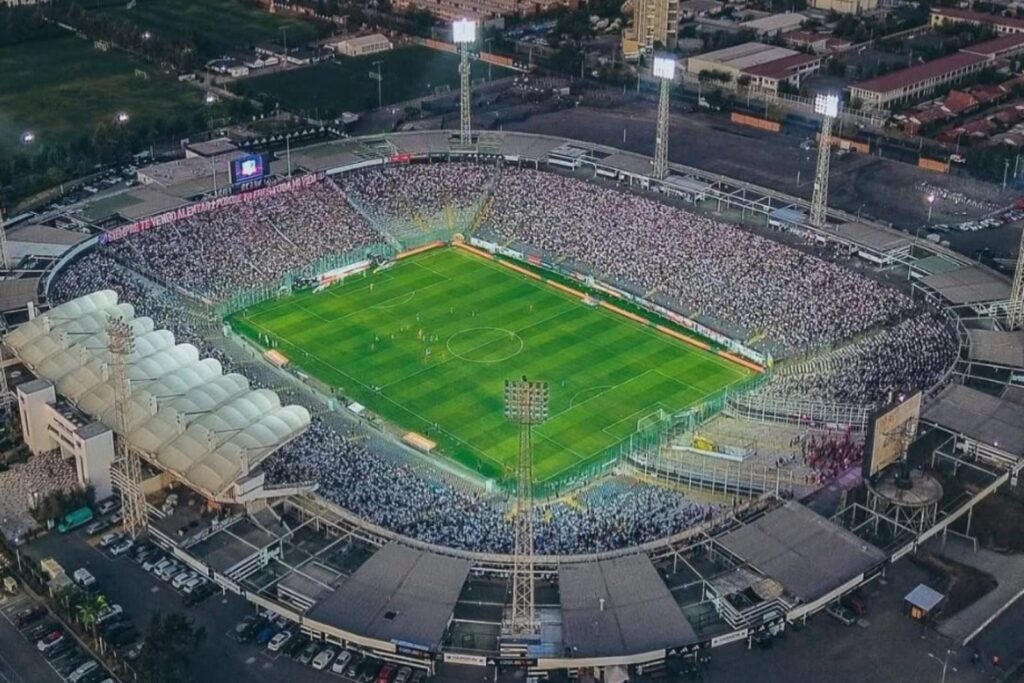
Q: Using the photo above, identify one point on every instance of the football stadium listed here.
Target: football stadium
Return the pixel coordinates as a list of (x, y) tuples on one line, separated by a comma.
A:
[(319, 372)]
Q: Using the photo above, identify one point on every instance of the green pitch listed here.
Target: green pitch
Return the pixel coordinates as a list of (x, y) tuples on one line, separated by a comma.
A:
[(428, 344)]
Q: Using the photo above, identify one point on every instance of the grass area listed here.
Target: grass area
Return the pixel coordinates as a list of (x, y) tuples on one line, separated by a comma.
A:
[(428, 343), (345, 85), (62, 88), (216, 26)]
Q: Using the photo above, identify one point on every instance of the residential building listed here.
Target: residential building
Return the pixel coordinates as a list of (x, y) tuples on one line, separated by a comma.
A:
[(775, 23), (363, 45), (691, 9), (953, 15), (766, 66), (922, 80), (845, 6), (655, 23), (819, 43), (449, 10)]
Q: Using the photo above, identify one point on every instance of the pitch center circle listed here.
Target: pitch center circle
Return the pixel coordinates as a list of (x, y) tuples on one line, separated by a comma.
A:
[(485, 344)]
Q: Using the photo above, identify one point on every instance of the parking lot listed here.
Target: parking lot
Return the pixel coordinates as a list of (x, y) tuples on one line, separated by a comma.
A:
[(24, 624), (227, 654)]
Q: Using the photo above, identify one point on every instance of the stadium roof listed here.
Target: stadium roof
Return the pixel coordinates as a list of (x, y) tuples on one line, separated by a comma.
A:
[(973, 284), (206, 427), (747, 55), (979, 416), (44, 234), (399, 594), (872, 237), (997, 347), (638, 614), (15, 293), (806, 553), (920, 72)]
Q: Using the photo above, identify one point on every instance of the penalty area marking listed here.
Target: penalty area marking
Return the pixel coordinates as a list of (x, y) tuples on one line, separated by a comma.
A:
[(510, 333), (601, 387), (393, 302)]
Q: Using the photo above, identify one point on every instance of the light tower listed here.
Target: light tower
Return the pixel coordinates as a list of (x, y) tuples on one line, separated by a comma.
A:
[(464, 35), (1015, 319), (526, 404), (126, 468), (665, 71), (827, 107)]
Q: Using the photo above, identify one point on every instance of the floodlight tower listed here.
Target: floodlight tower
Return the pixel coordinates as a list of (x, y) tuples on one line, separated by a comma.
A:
[(1015, 319), (526, 404), (121, 345), (464, 35), (827, 107), (665, 71)]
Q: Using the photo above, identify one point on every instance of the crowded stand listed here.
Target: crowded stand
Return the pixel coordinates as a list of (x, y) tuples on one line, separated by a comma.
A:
[(419, 190), (365, 484), (752, 285), (913, 354), (249, 244), (830, 454)]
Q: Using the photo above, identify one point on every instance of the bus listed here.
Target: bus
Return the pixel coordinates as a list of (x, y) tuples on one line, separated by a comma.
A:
[(75, 519)]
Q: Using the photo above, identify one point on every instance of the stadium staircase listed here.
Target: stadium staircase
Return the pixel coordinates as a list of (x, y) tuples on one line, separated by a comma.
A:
[(372, 220)]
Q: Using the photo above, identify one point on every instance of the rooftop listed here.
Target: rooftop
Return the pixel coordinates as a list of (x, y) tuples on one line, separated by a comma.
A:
[(979, 416), (997, 347), (619, 607), (978, 17), (806, 553), (920, 72), (974, 284), (747, 55)]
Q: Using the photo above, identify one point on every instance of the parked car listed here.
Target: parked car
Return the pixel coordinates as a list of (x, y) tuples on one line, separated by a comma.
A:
[(182, 578), (97, 526), (323, 658), (279, 640), (295, 645), (371, 667), (83, 577), (40, 630), (83, 669), (384, 675), (855, 603), (403, 675), (49, 641), (109, 613), (308, 652), (29, 615), (265, 633), (341, 661), (121, 547), (153, 561), (64, 646), (108, 505), (354, 667), (110, 538)]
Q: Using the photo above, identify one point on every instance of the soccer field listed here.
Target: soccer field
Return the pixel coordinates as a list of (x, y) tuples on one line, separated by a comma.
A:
[(428, 344)]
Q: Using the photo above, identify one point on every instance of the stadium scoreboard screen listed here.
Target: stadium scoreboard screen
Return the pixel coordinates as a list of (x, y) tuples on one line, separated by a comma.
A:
[(890, 432), (249, 169)]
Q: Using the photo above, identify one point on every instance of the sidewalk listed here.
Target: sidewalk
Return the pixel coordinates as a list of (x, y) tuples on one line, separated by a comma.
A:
[(1008, 570)]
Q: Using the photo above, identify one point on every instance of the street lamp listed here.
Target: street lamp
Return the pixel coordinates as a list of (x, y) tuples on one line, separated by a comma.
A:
[(210, 98), (122, 117), (146, 35), (28, 137), (931, 202)]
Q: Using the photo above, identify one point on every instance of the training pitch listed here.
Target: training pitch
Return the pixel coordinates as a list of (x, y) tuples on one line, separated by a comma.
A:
[(429, 342)]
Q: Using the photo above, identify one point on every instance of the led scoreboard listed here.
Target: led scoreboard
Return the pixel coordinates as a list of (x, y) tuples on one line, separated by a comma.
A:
[(249, 169)]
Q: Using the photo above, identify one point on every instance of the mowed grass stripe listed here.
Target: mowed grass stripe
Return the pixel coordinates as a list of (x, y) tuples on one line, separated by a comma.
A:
[(384, 340)]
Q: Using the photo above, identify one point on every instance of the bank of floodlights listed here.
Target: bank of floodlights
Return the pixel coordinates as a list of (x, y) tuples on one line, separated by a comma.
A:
[(827, 105), (464, 31), (665, 68)]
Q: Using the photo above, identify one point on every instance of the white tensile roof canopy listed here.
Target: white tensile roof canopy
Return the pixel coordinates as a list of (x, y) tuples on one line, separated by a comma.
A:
[(186, 415)]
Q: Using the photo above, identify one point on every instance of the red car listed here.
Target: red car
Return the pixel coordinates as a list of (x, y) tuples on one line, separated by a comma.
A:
[(385, 673)]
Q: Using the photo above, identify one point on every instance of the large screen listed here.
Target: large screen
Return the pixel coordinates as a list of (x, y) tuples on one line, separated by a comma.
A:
[(248, 169), (891, 431)]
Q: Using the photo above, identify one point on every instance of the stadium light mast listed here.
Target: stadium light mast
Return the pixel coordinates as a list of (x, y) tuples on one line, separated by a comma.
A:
[(526, 404), (827, 107), (665, 71), (464, 35), (1015, 319), (126, 469)]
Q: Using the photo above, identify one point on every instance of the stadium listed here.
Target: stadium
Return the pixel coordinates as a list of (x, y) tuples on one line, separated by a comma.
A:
[(335, 347)]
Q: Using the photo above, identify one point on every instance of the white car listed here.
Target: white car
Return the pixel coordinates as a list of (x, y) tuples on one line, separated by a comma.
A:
[(83, 577), (344, 657), (83, 671), (121, 547), (168, 570), (192, 584), (278, 641), (323, 658), (156, 563), (182, 578), (109, 613), (109, 539)]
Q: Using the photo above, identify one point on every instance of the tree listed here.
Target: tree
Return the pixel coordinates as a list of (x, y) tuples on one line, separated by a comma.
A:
[(89, 609), (171, 640)]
